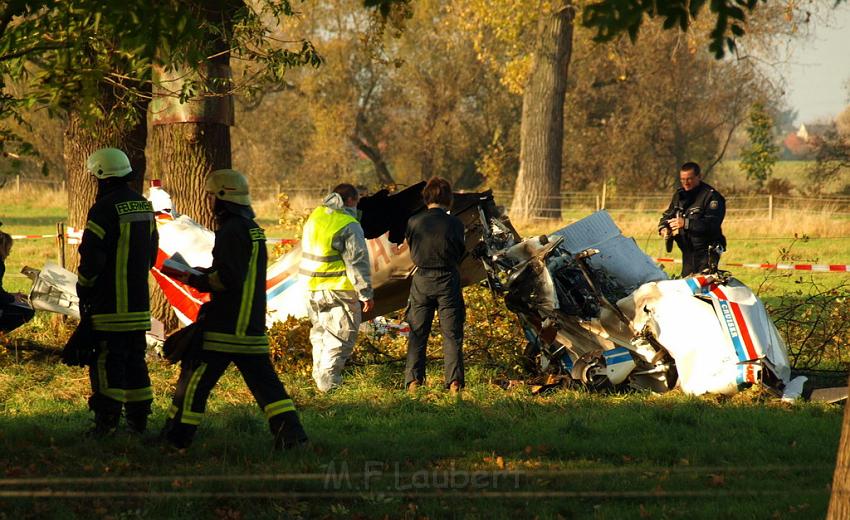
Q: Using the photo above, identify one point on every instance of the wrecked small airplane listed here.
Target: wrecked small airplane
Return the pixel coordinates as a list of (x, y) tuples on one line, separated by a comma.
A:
[(598, 311), (595, 309)]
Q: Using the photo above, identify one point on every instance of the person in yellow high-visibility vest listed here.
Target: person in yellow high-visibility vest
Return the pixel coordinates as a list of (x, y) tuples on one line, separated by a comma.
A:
[(335, 261)]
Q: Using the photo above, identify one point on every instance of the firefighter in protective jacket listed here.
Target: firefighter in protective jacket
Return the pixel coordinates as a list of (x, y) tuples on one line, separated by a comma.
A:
[(118, 248), (233, 322)]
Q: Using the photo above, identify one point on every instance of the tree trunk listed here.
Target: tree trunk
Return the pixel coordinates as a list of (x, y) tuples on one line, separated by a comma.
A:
[(538, 184), (81, 139), (182, 155), (191, 139), (382, 171), (839, 500)]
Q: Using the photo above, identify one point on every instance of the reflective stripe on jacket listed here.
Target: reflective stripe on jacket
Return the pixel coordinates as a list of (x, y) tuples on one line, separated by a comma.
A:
[(234, 318), (320, 262), (118, 248)]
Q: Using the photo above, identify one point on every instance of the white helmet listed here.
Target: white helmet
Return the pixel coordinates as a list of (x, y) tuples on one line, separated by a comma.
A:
[(108, 163), (229, 185)]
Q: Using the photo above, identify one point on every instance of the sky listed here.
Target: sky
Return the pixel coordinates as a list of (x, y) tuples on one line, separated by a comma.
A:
[(819, 69)]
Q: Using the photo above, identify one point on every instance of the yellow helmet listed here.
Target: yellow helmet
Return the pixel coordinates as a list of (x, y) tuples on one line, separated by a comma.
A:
[(229, 185), (108, 163)]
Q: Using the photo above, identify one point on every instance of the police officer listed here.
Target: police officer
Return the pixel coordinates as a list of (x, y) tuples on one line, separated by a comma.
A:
[(694, 220), (437, 246), (118, 248), (233, 322), (335, 261)]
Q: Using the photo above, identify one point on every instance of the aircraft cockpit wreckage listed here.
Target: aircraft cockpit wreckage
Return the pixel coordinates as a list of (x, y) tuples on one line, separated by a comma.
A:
[(598, 311), (595, 309)]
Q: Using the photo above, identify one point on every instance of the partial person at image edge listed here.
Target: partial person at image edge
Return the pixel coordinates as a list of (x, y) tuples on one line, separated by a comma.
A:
[(14, 311)]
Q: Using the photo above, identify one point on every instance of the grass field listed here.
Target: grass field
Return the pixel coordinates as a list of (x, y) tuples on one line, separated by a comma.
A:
[(379, 452)]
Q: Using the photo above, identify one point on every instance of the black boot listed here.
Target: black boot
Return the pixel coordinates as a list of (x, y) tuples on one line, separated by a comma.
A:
[(105, 425), (137, 423), (136, 415), (177, 435), (289, 433)]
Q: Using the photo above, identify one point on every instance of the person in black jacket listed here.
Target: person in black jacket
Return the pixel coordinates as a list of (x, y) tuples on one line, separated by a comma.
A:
[(14, 309), (233, 322), (118, 248), (693, 220), (437, 246)]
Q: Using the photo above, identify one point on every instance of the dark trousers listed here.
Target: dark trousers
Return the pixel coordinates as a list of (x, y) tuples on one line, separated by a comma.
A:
[(13, 315), (119, 376), (441, 292), (697, 260), (200, 372)]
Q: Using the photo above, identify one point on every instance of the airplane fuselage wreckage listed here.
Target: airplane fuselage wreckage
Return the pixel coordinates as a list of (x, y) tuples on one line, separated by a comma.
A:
[(595, 309)]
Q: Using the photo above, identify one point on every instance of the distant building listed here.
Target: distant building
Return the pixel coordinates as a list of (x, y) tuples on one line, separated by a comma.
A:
[(802, 143), (812, 134)]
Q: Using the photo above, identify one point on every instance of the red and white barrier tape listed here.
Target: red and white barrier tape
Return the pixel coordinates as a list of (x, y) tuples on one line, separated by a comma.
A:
[(21, 237), (815, 268), (74, 237)]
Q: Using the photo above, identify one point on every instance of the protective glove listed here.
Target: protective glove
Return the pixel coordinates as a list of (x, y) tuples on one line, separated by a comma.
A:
[(79, 350)]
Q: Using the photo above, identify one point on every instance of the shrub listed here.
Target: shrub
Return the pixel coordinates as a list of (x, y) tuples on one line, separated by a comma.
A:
[(493, 337)]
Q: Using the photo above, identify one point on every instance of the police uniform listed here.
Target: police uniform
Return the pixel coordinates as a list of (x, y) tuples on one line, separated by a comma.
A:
[(234, 331), (335, 262), (437, 246), (118, 248), (703, 209)]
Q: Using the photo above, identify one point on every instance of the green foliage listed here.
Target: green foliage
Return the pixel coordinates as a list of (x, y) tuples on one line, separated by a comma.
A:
[(98, 57), (650, 106), (612, 18), (814, 320), (492, 337), (291, 222), (289, 345), (761, 152), (832, 160)]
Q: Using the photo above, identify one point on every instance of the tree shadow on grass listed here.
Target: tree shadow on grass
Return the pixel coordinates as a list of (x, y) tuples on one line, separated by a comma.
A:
[(430, 444)]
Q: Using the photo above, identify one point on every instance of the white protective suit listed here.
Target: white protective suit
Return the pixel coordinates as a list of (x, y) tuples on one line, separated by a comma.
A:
[(336, 314)]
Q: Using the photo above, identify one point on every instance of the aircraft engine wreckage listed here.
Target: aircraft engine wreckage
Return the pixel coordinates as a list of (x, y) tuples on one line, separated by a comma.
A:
[(595, 309)]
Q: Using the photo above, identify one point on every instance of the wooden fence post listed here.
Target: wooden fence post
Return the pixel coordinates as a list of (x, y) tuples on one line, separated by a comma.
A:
[(18, 183), (60, 240), (604, 193), (597, 202), (770, 207)]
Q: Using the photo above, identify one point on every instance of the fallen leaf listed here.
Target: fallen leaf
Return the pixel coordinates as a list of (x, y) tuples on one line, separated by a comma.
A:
[(717, 479)]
